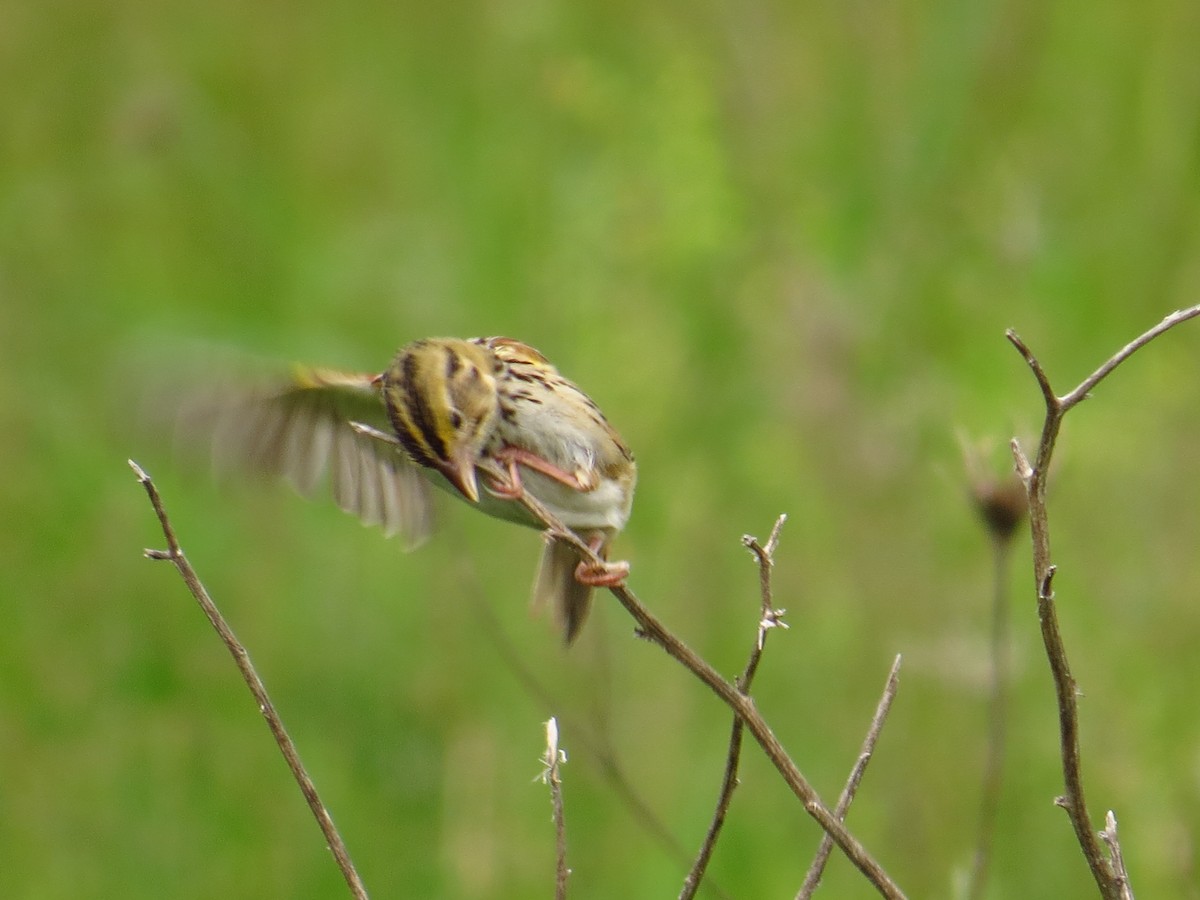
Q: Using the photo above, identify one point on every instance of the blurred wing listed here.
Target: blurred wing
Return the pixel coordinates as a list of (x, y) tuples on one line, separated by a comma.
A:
[(300, 430)]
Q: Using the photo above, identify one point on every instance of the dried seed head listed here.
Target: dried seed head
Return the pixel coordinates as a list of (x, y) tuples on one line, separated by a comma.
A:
[(999, 500), (1001, 504)]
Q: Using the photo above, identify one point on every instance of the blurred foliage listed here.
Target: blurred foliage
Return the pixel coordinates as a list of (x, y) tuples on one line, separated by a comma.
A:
[(779, 243)]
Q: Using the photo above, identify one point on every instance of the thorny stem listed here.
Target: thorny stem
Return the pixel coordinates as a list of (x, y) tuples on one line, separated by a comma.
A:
[(1110, 876)]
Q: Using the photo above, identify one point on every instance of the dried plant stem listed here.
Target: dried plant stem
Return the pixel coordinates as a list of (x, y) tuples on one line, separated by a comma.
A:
[(652, 629), (174, 555), (769, 618), (813, 878), (993, 770), (1113, 885), (553, 760)]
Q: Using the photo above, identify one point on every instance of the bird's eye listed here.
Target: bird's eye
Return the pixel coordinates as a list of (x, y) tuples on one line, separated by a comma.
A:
[(455, 419)]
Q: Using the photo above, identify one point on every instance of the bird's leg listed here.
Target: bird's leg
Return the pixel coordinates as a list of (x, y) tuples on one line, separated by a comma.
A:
[(506, 489), (603, 573), (593, 574), (511, 457)]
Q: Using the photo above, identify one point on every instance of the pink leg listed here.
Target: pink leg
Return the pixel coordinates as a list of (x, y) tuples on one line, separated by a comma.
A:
[(512, 489), (603, 574), (514, 456)]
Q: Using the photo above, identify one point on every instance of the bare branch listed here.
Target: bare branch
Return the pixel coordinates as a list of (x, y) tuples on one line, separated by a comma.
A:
[(1081, 392), (813, 878), (174, 554), (652, 629), (729, 783), (1035, 367), (769, 618), (1112, 885)]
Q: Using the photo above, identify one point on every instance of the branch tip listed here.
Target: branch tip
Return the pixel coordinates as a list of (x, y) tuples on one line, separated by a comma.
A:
[(1021, 462), (773, 540), (1052, 401), (554, 757)]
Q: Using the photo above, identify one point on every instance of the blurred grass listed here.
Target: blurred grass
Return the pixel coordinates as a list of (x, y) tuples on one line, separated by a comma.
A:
[(779, 243)]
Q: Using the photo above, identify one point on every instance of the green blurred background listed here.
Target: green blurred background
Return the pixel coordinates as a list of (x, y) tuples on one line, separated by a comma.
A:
[(779, 243)]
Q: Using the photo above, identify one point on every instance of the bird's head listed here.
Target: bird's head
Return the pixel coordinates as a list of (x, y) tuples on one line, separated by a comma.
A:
[(442, 400)]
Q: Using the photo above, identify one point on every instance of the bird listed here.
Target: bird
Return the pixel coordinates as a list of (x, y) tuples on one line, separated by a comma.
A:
[(488, 419)]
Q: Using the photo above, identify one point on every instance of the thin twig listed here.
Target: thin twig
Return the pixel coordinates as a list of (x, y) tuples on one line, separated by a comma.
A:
[(553, 758), (1033, 476), (813, 878), (174, 554), (768, 618), (652, 629), (1168, 322), (728, 783)]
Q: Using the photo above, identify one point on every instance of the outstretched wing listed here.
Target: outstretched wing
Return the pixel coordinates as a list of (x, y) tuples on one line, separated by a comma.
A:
[(300, 429)]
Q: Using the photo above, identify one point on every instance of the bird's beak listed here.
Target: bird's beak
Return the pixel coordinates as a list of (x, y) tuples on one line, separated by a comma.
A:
[(460, 472)]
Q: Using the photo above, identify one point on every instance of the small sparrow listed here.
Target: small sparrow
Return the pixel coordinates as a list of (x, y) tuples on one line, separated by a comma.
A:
[(488, 419)]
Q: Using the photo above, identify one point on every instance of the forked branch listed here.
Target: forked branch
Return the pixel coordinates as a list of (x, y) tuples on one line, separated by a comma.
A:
[(1108, 871), (652, 629)]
